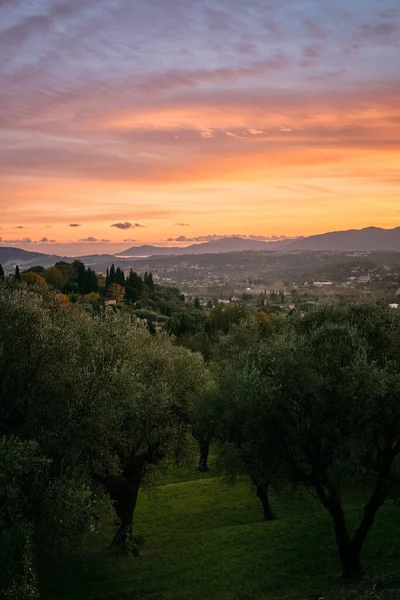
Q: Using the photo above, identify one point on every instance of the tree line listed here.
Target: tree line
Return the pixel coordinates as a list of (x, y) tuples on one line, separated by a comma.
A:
[(91, 405), (75, 278)]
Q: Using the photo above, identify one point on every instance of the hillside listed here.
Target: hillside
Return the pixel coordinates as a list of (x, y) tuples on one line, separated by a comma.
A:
[(9, 257), (204, 539)]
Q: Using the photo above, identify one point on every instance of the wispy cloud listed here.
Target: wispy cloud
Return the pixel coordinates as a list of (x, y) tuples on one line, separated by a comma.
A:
[(234, 135), (96, 128), (207, 134)]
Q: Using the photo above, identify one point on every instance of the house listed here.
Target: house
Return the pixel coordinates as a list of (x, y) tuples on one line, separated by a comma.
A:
[(110, 303), (364, 279), (393, 305)]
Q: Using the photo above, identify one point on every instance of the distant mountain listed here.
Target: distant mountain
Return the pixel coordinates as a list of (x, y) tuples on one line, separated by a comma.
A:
[(370, 239), (228, 244), (9, 257)]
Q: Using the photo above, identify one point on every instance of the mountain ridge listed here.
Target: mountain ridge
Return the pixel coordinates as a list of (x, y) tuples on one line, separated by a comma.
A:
[(372, 239), (227, 244), (368, 239)]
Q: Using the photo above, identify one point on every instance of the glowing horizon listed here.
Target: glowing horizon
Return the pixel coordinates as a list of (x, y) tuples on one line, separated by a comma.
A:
[(140, 124)]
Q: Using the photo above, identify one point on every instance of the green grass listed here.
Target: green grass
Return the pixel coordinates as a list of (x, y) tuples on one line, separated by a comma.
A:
[(205, 540)]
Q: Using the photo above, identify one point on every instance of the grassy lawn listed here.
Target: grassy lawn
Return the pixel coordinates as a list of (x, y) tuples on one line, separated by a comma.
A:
[(205, 540)]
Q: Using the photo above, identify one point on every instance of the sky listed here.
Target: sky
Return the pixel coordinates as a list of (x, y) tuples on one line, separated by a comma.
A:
[(125, 122)]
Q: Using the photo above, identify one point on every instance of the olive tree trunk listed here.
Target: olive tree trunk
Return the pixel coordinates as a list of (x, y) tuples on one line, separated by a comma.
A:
[(350, 548), (123, 494), (203, 460), (262, 492), (262, 495)]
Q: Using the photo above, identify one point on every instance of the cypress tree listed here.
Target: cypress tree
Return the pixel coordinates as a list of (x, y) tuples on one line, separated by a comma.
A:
[(1, 273), (112, 275), (107, 279), (120, 277), (81, 278), (91, 284), (17, 273), (134, 285)]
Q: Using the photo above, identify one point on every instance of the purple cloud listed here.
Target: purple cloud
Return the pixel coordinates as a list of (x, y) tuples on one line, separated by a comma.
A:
[(23, 31), (310, 56), (382, 33), (315, 30), (45, 240), (126, 225), (25, 240), (219, 20)]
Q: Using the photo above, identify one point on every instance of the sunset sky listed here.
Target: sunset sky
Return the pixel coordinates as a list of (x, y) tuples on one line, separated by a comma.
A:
[(147, 121)]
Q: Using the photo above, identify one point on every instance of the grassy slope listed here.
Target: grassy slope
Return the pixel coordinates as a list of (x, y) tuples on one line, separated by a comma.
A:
[(206, 541)]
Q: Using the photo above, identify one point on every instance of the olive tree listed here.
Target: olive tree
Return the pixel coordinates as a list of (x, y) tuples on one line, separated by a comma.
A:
[(204, 424), (103, 399), (146, 417), (327, 394), (236, 409), (44, 394), (22, 477)]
